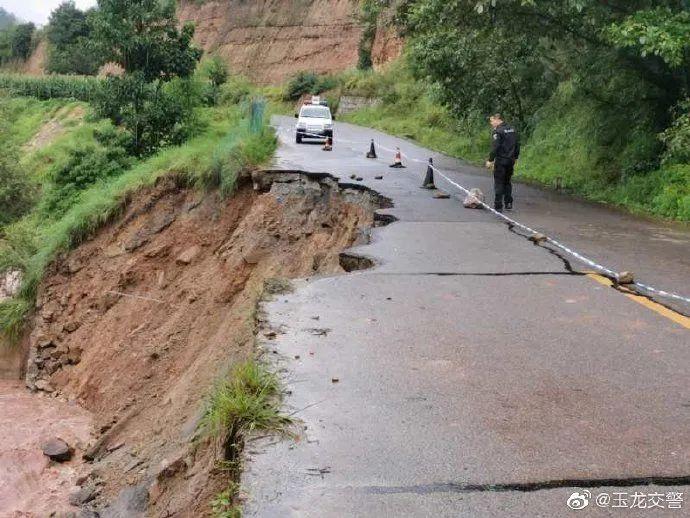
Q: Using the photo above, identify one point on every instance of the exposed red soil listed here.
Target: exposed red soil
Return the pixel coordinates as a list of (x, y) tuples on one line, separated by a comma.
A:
[(138, 323), (270, 40)]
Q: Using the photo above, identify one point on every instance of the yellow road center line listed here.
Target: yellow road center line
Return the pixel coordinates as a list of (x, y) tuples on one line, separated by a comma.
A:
[(649, 304)]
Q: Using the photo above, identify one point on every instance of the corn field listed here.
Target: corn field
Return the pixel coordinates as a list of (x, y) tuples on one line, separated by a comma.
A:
[(79, 88)]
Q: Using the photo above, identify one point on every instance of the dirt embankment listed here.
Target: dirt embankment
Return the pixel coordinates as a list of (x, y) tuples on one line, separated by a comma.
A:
[(137, 324), (269, 40)]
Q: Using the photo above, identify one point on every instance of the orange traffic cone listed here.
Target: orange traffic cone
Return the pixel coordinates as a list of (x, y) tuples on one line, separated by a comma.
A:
[(397, 161)]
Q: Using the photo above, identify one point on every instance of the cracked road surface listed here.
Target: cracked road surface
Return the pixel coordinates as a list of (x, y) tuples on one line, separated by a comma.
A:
[(478, 374)]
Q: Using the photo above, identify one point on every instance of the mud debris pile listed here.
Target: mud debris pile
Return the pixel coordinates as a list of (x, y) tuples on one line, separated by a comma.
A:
[(137, 324)]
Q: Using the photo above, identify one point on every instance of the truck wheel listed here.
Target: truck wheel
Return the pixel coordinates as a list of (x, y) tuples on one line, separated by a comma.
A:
[(298, 139)]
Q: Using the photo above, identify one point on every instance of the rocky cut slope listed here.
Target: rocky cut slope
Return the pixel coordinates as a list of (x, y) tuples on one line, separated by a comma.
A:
[(269, 40)]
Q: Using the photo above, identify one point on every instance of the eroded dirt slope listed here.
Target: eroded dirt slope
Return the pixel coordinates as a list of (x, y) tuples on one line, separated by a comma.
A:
[(138, 323), (269, 40)]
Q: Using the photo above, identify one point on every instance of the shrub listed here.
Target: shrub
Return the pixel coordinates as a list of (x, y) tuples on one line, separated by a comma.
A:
[(302, 83), (17, 194), (214, 73), (677, 136), (86, 166), (235, 90), (154, 114), (246, 401)]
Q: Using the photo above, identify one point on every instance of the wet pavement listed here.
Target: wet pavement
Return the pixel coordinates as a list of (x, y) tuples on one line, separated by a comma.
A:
[(472, 373)]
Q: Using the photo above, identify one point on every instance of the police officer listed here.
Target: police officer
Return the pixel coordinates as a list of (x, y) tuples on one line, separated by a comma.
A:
[(505, 150)]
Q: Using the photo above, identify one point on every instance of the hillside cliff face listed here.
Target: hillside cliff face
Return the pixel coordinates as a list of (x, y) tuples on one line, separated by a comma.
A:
[(269, 40)]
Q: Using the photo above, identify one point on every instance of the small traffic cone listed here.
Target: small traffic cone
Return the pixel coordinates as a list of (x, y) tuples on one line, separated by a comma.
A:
[(428, 182), (328, 145), (397, 161), (372, 150)]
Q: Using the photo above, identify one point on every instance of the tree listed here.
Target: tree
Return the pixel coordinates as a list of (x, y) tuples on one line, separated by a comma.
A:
[(656, 32), (143, 37), (215, 71), (69, 33), (22, 41), (588, 41)]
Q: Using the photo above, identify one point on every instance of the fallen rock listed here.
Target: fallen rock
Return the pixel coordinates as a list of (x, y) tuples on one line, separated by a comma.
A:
[(57, 449), (255, 254), (131, 502), (188, 255), (74, 265), (74, 355), (474, 200), (158, 251), (83, 495), (108, 300), (113, 251), (71, 327), (83, 479), (440, 195), (44, 385), (626, 278), (170, 468), (10, 283)]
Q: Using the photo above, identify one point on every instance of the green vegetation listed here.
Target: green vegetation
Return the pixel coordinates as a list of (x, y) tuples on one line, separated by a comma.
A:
[(368, 17), (215, 72), (307, 83), (410, 108), (601, 98), (51, 87), (223, 505), (154, 100), (17, 42), (246, 400), (16, 190), (69, 34), (92, 196)]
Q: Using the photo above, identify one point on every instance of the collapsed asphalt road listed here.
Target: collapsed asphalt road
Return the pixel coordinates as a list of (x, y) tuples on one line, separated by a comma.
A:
[(472, 373)]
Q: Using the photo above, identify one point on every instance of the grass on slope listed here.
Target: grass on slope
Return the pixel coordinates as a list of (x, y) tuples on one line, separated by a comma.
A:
[(212, 159), (595, 154), (26, 116), (408, 109)]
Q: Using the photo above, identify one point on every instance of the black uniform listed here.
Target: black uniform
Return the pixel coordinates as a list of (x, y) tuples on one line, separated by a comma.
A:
[(505, 150)]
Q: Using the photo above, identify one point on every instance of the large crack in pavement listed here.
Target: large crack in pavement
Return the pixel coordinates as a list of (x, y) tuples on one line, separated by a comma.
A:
[(624, 289), (528, 487), (479, 274)]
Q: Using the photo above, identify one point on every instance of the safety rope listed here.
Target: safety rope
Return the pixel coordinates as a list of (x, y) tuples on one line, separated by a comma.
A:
[(586, 260)]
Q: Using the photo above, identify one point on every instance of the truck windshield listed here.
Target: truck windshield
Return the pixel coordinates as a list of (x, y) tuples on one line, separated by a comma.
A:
[(316, 112)]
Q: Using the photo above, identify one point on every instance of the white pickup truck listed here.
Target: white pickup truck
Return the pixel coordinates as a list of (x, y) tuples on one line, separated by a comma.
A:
[(314, 120)]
